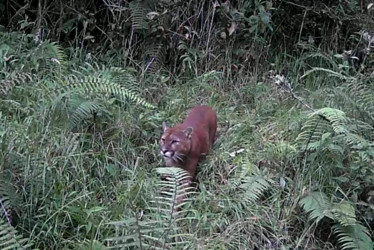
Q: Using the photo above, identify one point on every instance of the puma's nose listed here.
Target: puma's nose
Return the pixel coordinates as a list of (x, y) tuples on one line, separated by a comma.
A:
[(166, 153)]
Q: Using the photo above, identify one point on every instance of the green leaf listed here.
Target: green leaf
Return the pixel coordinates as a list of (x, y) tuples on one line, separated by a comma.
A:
[(112, 169), (353, 237), (317, 205)]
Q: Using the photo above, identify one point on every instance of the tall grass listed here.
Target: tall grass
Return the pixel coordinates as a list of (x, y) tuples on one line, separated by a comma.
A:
[(78, 160)]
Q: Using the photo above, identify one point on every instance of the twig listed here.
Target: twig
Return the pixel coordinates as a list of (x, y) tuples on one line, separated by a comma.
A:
[(5, 212)]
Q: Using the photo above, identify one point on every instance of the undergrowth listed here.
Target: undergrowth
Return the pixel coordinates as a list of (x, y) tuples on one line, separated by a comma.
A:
[(292, 167)]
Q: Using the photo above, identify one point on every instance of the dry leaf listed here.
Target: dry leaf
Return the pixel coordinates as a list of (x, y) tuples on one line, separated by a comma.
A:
[(235, 153), (152, 14), (216, 4), (232, 28)]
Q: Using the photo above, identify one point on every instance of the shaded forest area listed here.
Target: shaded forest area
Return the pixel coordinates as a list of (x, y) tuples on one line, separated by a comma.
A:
[(244, 34), (85, 86)]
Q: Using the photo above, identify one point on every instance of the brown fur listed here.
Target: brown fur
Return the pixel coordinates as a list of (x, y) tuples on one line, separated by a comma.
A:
[(184, 144)]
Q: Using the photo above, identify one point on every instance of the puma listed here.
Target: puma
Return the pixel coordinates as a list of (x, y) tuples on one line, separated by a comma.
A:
[(184, 144)]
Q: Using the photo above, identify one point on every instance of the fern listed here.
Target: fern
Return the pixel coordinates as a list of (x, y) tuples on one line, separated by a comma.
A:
[(351, 234), (83, 110), (329, 122), (359, 144), (353, 237), (330, 129), (122, 76), (52, 58), (253, 187), (14, 79), (139, 19), (156, 56), (321, 121), (10, 239), (103, 86), (361, 95), (281, 151), (161, 226), (24, 56), (317, 205), (108, 81)]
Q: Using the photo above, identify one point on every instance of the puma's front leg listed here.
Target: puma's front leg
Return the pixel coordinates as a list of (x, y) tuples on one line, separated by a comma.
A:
[(191, 166)]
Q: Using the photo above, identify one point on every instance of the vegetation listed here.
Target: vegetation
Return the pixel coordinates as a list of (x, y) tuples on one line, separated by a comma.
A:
[(85, 86)]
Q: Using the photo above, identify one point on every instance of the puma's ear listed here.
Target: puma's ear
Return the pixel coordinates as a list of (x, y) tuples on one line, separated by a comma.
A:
[(164, 126), (188, 132)]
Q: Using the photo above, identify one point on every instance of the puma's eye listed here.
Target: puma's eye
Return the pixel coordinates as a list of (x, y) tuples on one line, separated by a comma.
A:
[(162, 139), (174, 141)]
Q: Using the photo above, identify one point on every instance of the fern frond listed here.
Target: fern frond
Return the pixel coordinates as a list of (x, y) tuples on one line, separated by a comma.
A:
[(105, 87), (123, 77), (360, 144), (57, 55), (176, 187), (336, 117), (317, 205), (83, 110), (320, 122), (51, 57), (361, 95), (312, 133), (139, 18), (253, 187), (113, 74), (281, 150), (344, 213), (350, 234), (9, 238), (14, 79), (353, 237), (155, 57), (161, 226), (330, 130)]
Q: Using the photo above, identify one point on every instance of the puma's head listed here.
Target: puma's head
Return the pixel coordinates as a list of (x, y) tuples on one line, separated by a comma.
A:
[(175, 144)]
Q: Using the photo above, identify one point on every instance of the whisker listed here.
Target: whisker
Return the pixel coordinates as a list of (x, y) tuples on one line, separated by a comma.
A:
[(175, 159), (180, 157)]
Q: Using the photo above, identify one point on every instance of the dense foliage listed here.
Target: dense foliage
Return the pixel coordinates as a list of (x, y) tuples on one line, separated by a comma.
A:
[(85, 86)]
